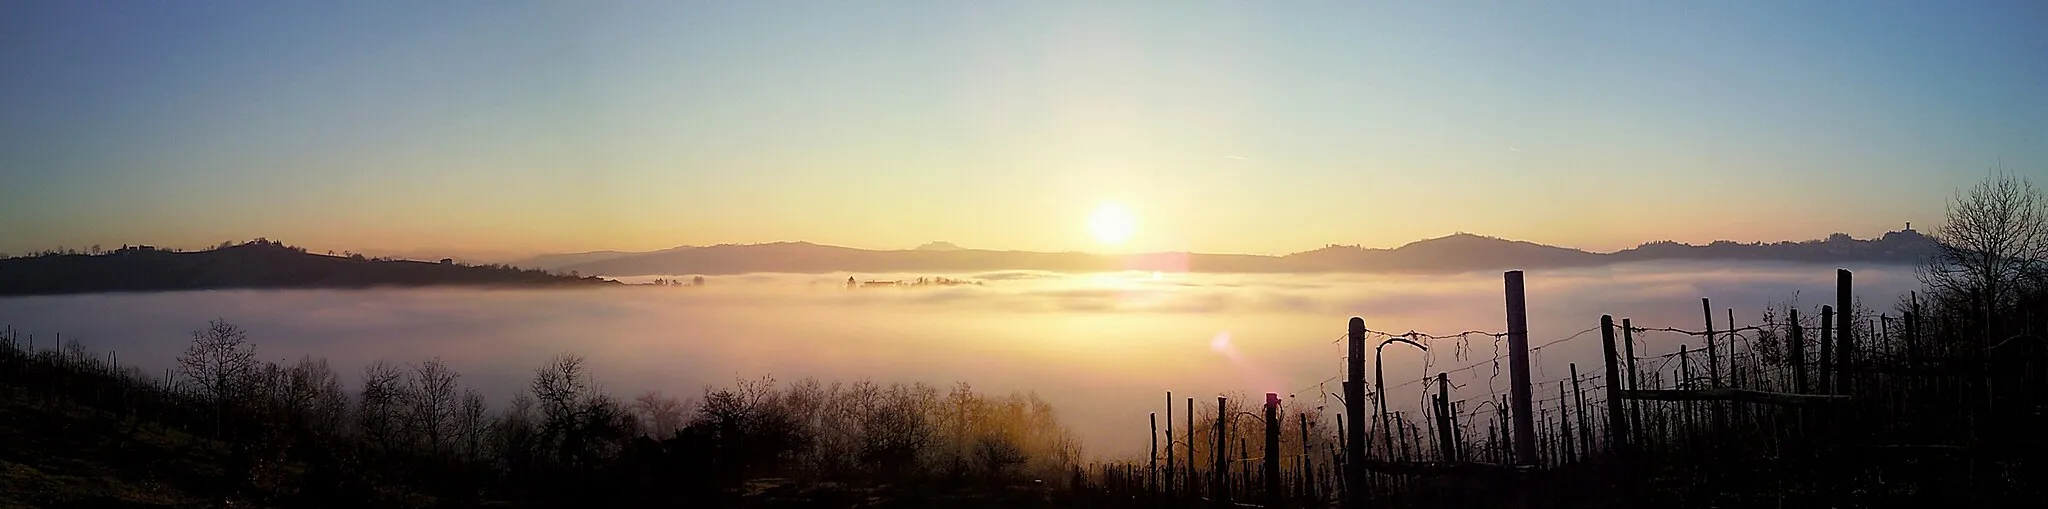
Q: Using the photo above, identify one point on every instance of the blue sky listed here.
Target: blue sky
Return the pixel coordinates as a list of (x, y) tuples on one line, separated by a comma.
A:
[(519, 127)]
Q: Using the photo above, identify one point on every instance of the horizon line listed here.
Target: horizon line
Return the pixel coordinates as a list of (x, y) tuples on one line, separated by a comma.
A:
[(443, 252)]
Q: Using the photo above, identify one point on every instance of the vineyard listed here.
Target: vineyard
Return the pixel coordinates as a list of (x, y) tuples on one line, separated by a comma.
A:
[(1844, 407)]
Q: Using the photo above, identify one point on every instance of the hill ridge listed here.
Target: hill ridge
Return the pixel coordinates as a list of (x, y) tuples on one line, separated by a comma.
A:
[(257, 264), (1457, 252)]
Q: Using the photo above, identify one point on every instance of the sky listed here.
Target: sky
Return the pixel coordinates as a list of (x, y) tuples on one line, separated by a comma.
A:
[(502, 128)]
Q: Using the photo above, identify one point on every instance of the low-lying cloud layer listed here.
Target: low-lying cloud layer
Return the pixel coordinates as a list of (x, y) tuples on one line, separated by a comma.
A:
[(1101, 347)]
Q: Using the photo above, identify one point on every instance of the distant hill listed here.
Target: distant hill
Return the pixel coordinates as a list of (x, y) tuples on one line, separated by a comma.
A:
[(1455, 253), (1894, 247), (551, 261), (252, 265), (938, 246)]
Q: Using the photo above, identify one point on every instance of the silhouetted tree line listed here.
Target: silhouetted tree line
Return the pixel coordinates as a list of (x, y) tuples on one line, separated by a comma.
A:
[(412, 435)]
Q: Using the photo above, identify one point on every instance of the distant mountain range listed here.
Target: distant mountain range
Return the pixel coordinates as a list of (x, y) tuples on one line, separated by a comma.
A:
[(1455, 253), (251, 265)]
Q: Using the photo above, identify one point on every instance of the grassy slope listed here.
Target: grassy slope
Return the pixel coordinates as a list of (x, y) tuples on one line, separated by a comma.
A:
[(63, 455)]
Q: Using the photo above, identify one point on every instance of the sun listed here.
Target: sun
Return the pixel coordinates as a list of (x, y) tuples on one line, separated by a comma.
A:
[(1112, 224)]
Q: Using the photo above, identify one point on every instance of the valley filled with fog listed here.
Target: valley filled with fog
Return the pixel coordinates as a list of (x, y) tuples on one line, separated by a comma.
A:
[(1101, 348)]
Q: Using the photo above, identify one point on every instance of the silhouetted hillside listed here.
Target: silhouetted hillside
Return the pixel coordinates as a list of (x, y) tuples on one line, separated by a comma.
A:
[(252, 265), (556, 261), (1453, 253), (1462, 252), (550, 261), (1906, 246)]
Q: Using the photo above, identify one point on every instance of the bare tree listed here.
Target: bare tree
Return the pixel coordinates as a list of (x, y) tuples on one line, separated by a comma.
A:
[(660, 416), (558, 387), (433, 402), (898, 430), (379, 410), (219, 365), (472, 423), (514, 437), (219, 361), (580, 424), (1995, 240), (313, 393)]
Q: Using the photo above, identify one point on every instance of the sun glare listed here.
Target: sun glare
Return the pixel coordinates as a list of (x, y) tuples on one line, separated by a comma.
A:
[(1112, 224)]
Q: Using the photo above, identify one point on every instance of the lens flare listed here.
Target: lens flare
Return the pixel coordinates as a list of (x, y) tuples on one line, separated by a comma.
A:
[(1221, 344)]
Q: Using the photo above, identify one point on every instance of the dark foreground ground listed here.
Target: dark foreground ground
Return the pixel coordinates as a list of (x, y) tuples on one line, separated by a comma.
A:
[(56, 454)]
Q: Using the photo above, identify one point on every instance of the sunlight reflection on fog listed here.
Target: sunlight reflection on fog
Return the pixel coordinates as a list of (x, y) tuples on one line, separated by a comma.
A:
[(1100, 347)]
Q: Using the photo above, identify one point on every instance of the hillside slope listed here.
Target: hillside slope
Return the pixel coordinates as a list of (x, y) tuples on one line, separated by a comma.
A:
[(254, 265)]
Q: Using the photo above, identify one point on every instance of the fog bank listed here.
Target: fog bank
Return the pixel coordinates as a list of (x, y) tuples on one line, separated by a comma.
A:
[(1100, 347)]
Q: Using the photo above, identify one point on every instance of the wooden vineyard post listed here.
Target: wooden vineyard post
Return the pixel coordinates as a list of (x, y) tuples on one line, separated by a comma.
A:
[(1845, 325), (1617, 424), (1400, 431), (1354, 407), (1884, 329), (1379, 414), (1308, 467), (1684, 378), (1585, 429), (1734, 372), (1340, 460), (1166, 483), (1193, 483), (1152, 472), (1713, 360), (1340, 434), (1564, 426), (1827, 348), (1272, 463), (1518, 371), (1798, 350), (1436, 429), (1519, 384), (1219, 494), (1714, 364), (1628, 337), (1447, 444), (1617, 421), (1458, 437)]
